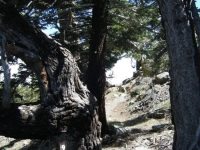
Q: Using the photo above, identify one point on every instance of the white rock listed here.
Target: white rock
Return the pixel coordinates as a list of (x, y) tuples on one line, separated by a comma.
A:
[(162, 78)]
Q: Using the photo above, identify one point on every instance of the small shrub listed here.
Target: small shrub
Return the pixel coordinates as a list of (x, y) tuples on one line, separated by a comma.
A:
[(135, 92)]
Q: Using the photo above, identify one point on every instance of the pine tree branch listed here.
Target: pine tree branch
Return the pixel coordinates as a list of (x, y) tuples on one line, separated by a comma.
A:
[(135, 22), (133, 43), (162, 52)]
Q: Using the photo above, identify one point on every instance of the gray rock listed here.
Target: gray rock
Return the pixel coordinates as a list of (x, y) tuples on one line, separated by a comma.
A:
[(126, 81), (117, 130), (162, 78), (158, 127)]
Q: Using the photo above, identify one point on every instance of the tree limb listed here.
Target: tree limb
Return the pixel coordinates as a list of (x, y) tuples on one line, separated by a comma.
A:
[(162, 52)]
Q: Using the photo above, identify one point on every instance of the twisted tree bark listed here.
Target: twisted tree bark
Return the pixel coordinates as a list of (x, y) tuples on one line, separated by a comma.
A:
[(66, 110)]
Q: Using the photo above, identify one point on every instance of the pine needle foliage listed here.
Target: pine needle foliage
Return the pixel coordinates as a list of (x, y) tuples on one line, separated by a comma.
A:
[(134, 30)]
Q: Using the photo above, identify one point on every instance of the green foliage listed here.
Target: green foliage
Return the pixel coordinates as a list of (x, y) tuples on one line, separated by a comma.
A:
[(134, 30), (24, 85), (137, 91), (26, 94)]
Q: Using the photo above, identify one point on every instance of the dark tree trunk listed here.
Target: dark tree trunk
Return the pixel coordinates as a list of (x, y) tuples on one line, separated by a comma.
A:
[(67, 110), (184, 72), (6, 88), (96, 68)]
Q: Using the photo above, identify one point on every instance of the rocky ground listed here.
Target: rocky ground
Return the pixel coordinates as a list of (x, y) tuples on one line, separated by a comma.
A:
[(138, 114)]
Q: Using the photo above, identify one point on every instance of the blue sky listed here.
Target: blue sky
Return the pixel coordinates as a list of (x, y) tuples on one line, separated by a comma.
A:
[(198, 3)]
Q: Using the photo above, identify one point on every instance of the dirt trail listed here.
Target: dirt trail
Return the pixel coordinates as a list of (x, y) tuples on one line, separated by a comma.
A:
[(139, 114), (117, 107)]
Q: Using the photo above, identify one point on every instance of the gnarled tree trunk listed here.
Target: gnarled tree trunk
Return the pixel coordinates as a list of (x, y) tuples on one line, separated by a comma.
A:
[(67, 110), (184, 72)]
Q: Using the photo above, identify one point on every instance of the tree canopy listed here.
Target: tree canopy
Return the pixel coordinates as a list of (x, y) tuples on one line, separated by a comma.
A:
[(134, 30)]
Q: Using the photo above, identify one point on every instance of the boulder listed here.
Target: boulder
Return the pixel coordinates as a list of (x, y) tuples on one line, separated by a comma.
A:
[(162, 78), (126, 81), (157, 128)]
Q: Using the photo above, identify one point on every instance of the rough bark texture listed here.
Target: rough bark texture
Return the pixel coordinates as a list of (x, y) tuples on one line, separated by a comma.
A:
[(184, 72), (67, 110), (6, 88), (96, 68)]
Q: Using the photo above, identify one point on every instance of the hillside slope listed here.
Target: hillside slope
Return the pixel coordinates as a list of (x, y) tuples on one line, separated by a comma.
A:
[(138, 114)]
